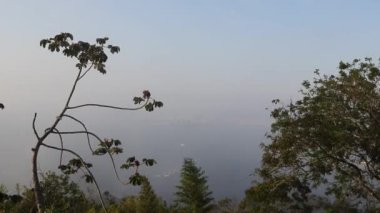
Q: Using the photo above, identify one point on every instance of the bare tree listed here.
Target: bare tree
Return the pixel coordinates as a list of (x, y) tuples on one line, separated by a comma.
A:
[(89, 57)]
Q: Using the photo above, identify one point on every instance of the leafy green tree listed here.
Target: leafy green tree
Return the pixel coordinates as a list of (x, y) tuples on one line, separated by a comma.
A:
[(329, 138), (193, 194), (147, 200), (63, 195), (88, 57)]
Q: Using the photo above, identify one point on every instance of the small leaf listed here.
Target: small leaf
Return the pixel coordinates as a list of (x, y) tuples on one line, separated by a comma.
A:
[(158, 104), (75, 162), (108, 143), (101, 41), (62, 167), (116, 150), (100, 151), (117, 142), (343, 65), (114, 49), (88, 178), (43, 42), (124, 166), (135, 179), (149, 107), (131, 159), (150, 162), (138, 100), (146, 94)]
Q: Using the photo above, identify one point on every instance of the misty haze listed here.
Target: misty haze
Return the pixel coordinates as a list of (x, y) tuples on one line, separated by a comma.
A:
[(189, 106)]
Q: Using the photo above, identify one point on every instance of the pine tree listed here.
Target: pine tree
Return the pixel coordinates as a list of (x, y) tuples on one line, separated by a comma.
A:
[(193, 194), (148, 201)]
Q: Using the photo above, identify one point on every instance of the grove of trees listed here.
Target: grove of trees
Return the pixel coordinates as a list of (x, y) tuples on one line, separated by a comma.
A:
[(63, 195), (322, 153)]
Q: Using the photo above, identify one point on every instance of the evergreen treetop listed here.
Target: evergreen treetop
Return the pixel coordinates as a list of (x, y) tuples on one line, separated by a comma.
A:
[(193, 194)]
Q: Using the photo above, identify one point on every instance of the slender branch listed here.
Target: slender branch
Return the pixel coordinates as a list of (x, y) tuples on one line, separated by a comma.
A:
[(109, 106), (85, 72), (79, 132), (34, 126), (85, 128), (115, 170), (85, 166), (64, 109), (61, 140)]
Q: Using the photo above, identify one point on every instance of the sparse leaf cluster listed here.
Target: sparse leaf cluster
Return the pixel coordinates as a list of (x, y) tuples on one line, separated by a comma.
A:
[(109, 146), (132, 162), (73, 166), (150, 105), (88, 56)]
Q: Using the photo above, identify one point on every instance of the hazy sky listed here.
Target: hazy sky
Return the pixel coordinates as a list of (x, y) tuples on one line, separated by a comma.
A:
[(216, 65)]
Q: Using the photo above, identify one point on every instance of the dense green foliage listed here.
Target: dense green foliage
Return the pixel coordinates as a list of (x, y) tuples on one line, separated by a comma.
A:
[(61, 195), (193, 194), (330, 139)]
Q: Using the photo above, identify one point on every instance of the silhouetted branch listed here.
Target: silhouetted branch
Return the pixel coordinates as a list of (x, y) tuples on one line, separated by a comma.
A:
[(79, 132), (109, 106), (61, 140), (85, 128), (115, 170), (34, 126), (86, 71)]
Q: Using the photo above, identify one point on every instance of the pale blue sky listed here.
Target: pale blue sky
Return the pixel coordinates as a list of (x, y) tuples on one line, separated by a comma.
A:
[(216, 64)]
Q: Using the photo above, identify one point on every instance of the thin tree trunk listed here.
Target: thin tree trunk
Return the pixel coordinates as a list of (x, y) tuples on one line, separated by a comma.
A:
[(36, 182)]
